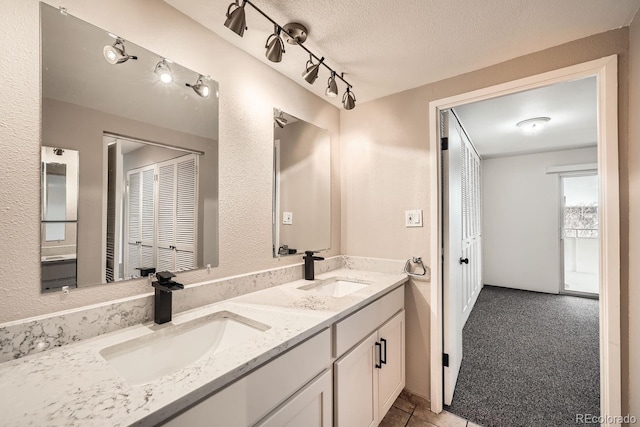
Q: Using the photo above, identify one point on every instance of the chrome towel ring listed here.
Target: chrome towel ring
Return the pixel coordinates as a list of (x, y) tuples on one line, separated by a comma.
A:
[(415, 260)]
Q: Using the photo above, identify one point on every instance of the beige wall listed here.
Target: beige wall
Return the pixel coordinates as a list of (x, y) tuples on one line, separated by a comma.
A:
[(249, 90), (385, 170), (632, 292)]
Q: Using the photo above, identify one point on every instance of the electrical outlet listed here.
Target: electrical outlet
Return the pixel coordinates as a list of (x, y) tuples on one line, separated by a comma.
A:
[(413, 218), (287, 218)]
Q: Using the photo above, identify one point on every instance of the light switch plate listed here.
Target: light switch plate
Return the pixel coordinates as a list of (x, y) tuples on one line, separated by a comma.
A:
[(287, 218), (413, 218)]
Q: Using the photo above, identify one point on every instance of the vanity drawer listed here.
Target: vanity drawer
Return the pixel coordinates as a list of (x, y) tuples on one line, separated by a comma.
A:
[(350, 331), (252, 397)]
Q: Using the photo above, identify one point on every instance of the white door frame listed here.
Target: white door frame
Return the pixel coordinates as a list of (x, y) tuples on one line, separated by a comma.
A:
[(606, 71)]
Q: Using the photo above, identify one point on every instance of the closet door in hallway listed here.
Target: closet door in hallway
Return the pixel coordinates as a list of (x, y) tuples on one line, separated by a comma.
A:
[(462, 237)]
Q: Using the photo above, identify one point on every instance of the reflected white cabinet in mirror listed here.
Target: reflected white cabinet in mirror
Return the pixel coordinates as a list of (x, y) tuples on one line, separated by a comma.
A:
[(145, 130), (302, 186)]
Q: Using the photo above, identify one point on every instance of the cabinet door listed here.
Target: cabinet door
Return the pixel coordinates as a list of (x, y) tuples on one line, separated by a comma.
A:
[(356, 386), (310, 407), (391, 376)]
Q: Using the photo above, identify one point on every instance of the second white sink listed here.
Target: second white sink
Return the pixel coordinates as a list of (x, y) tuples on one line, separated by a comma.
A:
[(144, 359), (336, 287)]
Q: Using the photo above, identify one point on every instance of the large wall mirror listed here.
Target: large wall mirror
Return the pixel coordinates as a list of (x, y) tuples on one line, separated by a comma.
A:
[(302, 186), (129, 158)]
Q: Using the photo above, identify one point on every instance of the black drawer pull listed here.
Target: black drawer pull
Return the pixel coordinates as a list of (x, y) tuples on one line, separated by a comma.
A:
[(379, 347), (383, 360)]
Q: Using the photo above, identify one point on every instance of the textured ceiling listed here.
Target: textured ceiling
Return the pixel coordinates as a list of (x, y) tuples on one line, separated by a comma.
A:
[(571, 106), (387, 46)]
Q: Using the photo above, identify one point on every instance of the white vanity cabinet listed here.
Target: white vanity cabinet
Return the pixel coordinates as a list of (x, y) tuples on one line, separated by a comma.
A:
[(254, 396), (310, 407), (346, 376), (370, 376)]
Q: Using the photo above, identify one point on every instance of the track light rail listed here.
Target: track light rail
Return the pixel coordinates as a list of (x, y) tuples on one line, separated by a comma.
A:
[(338, 75)]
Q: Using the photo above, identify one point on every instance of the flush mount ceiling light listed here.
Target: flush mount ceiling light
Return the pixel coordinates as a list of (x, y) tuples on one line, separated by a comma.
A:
[(162, 69), (116, 53), (280, 120), (294, 33), (332, 86), (275, 46), (200, 87), (533, 126), (349, 100), (236, 20)]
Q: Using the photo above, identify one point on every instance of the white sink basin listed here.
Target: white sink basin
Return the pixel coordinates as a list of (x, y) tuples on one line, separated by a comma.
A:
[(336, 287), (149, 357)]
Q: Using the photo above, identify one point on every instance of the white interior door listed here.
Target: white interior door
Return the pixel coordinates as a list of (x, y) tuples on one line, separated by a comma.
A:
[(462, 273)]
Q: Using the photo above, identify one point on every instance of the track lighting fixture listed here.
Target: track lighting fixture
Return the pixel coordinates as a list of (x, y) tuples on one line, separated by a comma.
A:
[(293, 33), (116, 53), (200, 87), (310, 74), (280, 120), (236, 20), (275, 46), (162, 69), (332, 87), (296, 32), (349, 100)]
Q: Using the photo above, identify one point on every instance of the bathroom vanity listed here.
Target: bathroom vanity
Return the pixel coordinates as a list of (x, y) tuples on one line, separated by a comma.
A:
[(323, 352)]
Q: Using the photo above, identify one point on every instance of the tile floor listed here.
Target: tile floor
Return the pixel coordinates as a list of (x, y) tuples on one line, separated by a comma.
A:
[(413, 411)]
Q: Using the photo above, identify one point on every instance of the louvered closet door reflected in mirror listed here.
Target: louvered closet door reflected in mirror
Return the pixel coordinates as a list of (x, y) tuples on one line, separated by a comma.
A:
[(177, 213), (160, 215), (140, 210)]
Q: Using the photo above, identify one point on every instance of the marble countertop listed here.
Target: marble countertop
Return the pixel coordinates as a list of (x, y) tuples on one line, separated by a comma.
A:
[(75, 385)]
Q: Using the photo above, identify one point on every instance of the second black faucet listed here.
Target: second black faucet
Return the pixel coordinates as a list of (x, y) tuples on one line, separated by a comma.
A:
[(309, 259)]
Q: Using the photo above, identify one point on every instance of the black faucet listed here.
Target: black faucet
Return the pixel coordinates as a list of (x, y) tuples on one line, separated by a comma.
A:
[(308, 264), (164, 289)]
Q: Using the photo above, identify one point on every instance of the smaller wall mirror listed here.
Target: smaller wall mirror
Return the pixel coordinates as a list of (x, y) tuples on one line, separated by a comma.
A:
[(59, 217), (302, 186)]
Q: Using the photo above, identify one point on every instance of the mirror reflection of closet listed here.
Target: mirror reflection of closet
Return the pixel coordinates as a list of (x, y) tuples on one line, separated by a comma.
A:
[(87, 97), (152, 208), (59, 217)]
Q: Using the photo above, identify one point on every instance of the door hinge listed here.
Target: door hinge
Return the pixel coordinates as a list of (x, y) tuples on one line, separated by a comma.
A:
[(444, 143), (445, 359)]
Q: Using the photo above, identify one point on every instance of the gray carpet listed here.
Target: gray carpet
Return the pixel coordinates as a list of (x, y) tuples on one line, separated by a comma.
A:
[(529, 359)]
